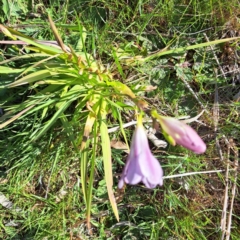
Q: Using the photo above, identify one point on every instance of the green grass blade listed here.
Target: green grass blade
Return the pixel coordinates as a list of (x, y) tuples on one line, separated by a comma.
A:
[(185, 49), (121, 128), (119, 67), (15, 117), (68, 128), (141, 60), (91, 177), (55, 117)]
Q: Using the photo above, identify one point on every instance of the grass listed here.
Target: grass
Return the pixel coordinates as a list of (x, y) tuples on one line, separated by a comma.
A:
[(42, 174)]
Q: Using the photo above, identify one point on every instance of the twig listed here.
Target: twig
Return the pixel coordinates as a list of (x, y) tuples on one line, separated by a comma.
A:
[(225, 204), (156, 142), (192, 173), (151, 136), (215, 56), (233, 191), (232, 71), (156, 33), (225, 232), (125, 125), (6, 203), (215, 121), (216, 102), (193, 93), (194, 118)]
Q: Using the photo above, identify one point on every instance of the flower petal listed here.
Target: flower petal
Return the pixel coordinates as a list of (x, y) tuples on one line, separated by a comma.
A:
[(151, 169), (192, 141), (141, 164), (133, 173)]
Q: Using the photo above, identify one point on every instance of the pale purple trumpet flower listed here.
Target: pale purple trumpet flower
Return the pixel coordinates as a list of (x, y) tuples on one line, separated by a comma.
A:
[(182, 134), (141, 165)]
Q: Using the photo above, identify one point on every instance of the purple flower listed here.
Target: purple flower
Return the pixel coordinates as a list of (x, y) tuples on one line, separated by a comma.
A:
[(182, 134), (141, 165)]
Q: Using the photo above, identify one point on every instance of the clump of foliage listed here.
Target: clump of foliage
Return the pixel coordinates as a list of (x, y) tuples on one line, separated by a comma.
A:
[(58, 101)]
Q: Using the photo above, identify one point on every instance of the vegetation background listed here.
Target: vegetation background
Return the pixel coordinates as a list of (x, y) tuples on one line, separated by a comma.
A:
[(40, 184)]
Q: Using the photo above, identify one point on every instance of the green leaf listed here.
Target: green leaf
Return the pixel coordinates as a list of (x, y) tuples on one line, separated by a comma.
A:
[(47, 48), (83, 168), (107, 162), (122, 88), (32, 77), (27, 56), (6, 8), (9, 70)]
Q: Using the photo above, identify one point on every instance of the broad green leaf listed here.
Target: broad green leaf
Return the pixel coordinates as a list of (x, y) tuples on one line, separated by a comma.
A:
[(9, 70), (94, 100), (42, 103), (107, 161), (6, 32), (47, 48), (57, 81), (116, 105), (200, 45), (33, 66), (6, 8), (44, 112), (87, 129), (32, 105), (61, 105), (122, 88), (32, 77), (31, 56), (83, 169), (87, 189)]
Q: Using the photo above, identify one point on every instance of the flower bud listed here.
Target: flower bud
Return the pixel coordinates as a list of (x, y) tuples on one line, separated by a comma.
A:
[(182, 134)]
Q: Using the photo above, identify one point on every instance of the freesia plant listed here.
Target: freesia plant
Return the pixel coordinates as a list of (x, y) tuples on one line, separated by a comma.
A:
[(58, 77)]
